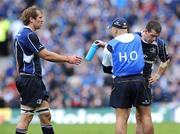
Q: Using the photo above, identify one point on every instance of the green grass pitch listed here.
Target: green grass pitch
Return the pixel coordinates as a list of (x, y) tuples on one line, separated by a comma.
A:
[(162, 128)]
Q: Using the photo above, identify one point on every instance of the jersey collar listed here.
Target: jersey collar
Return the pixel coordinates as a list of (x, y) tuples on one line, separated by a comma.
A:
[(28, 27)]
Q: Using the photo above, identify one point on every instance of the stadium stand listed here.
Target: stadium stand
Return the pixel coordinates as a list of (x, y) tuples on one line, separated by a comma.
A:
[(70, 27)]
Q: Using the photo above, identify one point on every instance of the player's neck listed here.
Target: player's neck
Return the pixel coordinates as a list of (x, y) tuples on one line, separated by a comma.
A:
[(31, 27)]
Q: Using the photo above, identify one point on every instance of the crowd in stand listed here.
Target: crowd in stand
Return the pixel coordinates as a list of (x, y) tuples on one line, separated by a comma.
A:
[(70, 28)]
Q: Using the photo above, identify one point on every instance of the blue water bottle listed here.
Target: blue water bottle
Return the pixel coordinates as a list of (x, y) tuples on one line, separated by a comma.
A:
[(91, 52)]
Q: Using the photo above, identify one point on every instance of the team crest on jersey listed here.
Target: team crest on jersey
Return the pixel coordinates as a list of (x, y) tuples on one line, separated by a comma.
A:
[(145, 56), (152, 50), (40, 47), (39, 101)]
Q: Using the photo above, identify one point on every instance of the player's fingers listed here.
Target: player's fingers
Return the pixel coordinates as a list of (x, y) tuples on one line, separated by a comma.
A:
[(77, 63), (150, 80), (97, 41), (79, 58)]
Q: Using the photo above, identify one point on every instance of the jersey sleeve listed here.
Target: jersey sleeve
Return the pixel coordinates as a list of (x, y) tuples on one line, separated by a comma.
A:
[(163, 53), (35, 45), (107, 57)]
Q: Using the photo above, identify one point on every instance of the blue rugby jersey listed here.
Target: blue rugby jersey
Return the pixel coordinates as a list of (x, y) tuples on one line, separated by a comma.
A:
[(26, 47), (153, 51), (124, 53)]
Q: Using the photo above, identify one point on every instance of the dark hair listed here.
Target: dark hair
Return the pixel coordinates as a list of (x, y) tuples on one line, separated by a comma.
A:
[(29, 12), (153, 25)]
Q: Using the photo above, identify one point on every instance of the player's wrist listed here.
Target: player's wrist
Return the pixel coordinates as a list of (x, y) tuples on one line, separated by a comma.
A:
[(157, 76), (67, 59)]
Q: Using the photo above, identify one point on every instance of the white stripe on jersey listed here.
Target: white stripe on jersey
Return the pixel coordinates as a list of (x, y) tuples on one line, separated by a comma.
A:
[(32, 44)]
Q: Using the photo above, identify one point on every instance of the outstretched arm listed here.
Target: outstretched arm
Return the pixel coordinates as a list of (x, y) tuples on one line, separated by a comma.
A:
[(54, 57)]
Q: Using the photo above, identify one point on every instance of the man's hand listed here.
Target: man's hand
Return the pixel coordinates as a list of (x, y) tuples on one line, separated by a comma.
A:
[(161, 69), (100, 43), (154, 78), (74, 60)]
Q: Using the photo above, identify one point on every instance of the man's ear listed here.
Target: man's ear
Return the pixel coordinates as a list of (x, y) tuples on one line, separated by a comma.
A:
[(145, 30), (30, 19), (116, 31)]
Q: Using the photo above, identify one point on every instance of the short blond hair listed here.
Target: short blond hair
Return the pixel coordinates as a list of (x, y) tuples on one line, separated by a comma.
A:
[(29, 12)]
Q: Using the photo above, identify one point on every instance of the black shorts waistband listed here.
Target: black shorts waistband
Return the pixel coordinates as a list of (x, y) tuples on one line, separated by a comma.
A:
[(129, 77), (30, 75)]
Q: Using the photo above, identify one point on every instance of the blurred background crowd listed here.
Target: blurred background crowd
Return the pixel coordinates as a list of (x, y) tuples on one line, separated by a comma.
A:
[(70, 27)]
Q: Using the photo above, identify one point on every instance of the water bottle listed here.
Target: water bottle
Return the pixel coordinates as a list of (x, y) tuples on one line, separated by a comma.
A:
[(91, 52)]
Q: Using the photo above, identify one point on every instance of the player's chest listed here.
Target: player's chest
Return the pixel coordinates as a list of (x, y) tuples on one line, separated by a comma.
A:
[(150, 51)]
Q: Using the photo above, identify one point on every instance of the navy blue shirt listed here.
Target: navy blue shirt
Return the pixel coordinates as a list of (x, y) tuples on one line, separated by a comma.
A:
[(27, 46), (156, 49)]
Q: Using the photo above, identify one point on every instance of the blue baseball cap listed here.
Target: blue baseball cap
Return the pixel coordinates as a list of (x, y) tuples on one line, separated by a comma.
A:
[(120, 23)]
